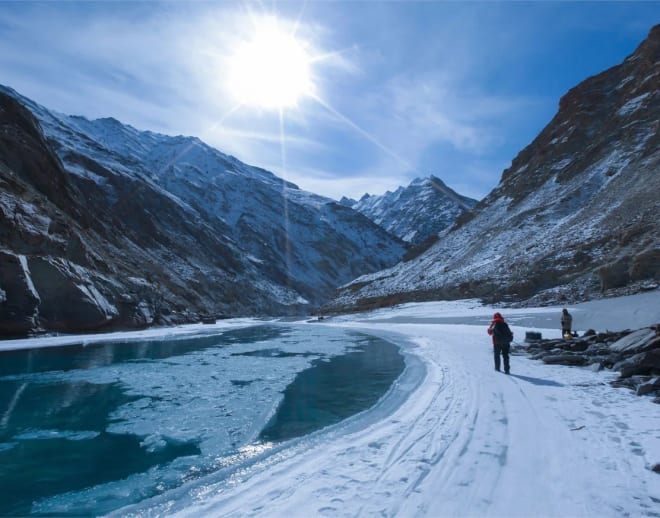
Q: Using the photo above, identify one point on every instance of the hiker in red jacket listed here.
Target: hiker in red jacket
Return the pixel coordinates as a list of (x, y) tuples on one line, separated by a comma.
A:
[(502, 337)]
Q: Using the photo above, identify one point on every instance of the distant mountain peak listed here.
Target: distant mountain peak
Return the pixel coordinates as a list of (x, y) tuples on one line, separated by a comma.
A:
[(414, 213)]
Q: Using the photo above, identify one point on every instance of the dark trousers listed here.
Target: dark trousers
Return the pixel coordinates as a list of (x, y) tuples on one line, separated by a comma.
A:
[(502, 349)]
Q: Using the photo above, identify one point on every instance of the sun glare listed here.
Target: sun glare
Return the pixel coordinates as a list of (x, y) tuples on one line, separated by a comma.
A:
[(271, 70)]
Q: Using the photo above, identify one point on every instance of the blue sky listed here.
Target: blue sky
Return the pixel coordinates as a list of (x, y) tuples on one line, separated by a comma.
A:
[(402, 89)]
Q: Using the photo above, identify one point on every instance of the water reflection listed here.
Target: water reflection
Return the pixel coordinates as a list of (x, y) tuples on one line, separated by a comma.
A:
[(54, 434), (333, 389)]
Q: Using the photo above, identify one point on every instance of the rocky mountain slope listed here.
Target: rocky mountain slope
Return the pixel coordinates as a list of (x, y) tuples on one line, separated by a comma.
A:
[(104, 226), (417, 212), (575, 215)]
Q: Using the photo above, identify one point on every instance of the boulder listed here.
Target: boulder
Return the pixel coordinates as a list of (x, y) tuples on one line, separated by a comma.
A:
[(578, 346), (608, 337), (531, 336), (566, 359), (636, 355), (643, 363), (629, 383), (635, 342), (649, 386), (552, 344), (599, 348)]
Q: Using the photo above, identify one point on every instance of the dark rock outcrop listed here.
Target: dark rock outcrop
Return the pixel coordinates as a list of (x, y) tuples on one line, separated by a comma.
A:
[(634, 354), (18, 301), (76, 255)]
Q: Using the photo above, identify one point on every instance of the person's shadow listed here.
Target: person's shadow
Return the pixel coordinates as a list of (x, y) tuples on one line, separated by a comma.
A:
[(538, 381)]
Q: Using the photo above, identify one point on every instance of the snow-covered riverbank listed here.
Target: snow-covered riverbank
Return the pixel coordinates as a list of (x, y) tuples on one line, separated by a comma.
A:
[(454, 437), (545, 441)]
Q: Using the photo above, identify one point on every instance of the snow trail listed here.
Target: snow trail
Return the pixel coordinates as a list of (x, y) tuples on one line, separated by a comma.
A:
[(469, 441)]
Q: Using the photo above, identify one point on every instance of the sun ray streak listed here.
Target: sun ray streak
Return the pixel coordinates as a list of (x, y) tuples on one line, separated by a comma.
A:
[(285, 199), (294, 29), (362, 132), (12, 405), (318, 58), (211, 128)]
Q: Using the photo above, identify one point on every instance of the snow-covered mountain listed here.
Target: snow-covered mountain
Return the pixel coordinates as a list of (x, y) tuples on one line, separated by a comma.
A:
[(575, 215), (105, 225), (416, 212)]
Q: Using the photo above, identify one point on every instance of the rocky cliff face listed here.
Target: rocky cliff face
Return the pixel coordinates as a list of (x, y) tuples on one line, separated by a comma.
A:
[(77, 254), (103, 226), (576, 214), (417, 212)]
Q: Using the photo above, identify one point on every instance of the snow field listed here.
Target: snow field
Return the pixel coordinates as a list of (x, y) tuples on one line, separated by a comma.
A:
[(546, 441)]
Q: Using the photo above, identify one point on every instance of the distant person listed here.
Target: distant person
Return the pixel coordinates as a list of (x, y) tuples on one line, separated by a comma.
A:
[(566, 323), (502, 338)]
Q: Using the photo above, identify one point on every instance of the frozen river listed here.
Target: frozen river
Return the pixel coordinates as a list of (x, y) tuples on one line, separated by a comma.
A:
[(192, 421), (87, 429)]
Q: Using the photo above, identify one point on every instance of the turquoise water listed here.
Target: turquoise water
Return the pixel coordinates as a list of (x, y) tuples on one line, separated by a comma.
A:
[(90, 429), (329, 392)]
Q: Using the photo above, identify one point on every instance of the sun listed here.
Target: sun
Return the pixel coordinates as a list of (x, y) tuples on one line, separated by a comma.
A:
[(271, 69)]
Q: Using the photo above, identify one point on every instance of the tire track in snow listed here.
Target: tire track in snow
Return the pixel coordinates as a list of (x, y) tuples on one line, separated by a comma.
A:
[(460, 428), (425, 445)]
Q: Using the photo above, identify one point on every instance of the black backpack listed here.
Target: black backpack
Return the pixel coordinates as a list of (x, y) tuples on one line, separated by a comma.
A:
[(502, 332)]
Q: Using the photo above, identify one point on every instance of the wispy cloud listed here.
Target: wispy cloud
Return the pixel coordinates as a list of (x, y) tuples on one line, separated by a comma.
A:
[(352, 186)]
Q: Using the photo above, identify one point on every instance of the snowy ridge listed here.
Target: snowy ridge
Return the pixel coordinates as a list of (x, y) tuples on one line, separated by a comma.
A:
[(250, 202), (416, 212), (202, 232)]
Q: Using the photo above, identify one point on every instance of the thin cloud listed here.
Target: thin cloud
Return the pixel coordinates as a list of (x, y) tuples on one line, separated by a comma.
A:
[(449, 88), (272, 138), (423, 113), (353, 186)]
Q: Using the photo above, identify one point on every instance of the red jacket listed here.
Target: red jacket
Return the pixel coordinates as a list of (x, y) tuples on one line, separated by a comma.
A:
[(497, 317)]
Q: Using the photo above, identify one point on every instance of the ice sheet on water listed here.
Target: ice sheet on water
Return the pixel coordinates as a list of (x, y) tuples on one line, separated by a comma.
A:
[(71, 435), (217, 397)]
